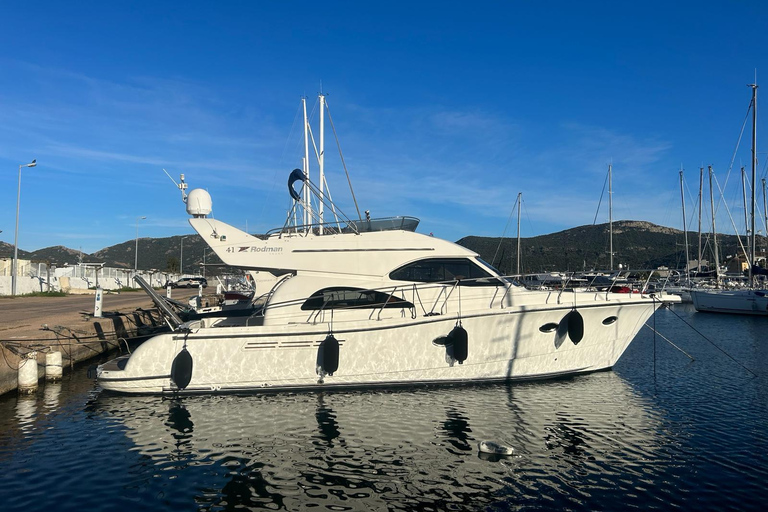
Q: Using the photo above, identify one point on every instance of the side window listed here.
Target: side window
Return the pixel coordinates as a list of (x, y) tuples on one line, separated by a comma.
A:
[(438, 270), (352, 298)]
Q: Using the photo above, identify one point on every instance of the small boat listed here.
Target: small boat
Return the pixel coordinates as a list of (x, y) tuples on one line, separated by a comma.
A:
[(356, 306)]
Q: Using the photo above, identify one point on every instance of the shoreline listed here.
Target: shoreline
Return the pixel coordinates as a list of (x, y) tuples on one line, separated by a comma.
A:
[(31, 327)]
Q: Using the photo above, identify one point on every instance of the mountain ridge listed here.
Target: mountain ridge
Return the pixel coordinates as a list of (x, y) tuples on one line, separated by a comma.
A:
[(636, 244)]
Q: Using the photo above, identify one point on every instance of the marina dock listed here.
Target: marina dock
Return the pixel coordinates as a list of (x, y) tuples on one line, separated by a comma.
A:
[(31, 327)]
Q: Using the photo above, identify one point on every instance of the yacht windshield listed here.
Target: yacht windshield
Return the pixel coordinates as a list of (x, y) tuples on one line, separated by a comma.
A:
[(435, 270)]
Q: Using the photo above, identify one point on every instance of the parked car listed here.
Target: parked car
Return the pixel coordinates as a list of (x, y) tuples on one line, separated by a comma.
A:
[(190, 282)]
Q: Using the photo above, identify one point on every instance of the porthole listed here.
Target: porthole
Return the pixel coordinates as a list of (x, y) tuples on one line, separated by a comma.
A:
[(550, 327), (610, 320)]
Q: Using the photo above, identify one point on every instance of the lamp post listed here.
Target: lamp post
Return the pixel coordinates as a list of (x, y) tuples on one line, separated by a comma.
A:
[(181, 257), (14, 267), (136, 255)]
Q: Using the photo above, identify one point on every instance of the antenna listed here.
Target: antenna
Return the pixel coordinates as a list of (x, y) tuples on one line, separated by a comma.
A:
[(181, 186)]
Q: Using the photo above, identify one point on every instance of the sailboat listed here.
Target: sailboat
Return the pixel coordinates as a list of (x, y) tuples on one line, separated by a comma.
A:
[(751, 301)]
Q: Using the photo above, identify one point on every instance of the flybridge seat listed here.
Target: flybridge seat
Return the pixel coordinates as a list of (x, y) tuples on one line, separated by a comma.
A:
[(398, 223)]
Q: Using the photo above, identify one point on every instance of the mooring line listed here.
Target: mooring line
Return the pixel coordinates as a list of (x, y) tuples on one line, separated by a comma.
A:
[(670, 342), (713, 343)]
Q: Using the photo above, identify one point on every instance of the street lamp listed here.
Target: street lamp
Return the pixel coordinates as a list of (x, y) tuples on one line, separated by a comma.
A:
[(181, 257), (14, 267), (136, 256)]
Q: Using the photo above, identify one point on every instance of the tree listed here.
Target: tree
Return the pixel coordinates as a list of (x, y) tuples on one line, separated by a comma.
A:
[(173, 264)]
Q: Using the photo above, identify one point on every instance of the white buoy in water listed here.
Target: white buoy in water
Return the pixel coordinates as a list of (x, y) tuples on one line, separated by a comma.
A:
[(53, 369), (28, 374), (494, 448), (97, 302)]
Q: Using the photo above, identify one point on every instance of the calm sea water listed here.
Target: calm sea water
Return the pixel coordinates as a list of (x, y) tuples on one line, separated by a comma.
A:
[(658, 432)]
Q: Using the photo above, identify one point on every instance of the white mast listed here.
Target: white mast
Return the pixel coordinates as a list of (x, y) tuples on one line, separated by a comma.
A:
[(519, 201), (321, 160), (610, 211), (701, 200), (746, 207), (714, 229), (754, 171), (685, 229), (307, 205)]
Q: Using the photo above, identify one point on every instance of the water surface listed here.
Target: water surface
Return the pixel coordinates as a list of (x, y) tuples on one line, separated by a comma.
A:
[(658, 432)]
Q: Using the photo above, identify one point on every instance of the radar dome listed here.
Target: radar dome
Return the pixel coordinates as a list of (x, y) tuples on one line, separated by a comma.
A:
[(199, 203)]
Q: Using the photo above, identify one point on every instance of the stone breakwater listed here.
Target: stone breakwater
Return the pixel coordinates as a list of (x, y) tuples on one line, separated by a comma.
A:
[(35, 326)]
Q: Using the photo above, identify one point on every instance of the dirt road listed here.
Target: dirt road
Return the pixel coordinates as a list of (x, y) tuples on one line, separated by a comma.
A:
[(21, 314)]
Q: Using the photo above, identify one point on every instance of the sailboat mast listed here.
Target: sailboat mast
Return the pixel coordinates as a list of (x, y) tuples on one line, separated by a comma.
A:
[(685, 229), (610, 212), (519, 201), (321, 162), (754, 172), (701, 201), (714, 228), (746, 207), (307, 205)]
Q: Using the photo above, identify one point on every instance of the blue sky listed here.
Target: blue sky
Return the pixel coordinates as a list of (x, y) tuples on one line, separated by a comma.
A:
[(444, 110)]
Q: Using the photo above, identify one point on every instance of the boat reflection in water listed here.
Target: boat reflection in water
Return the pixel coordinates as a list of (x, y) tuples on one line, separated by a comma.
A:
[(405, 449)]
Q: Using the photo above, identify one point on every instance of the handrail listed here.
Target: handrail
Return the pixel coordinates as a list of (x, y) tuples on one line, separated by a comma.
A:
[(260, 312), (399, 222), (415, 295), (440, 291)]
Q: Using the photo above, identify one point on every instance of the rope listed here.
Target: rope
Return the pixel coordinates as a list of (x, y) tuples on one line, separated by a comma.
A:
[(655, 332), (713, 343), (458, 284), (601, 199), (503, 235), (338, 144), (736, 149), (6, 359)]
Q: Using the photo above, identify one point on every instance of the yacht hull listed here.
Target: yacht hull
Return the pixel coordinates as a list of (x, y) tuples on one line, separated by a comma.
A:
[(515, 343), (741, 302)]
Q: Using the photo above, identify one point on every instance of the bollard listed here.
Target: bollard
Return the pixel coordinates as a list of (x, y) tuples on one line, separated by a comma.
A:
[(53, 369), (168, 291), (97, 305), (200, 290), (28, 374)]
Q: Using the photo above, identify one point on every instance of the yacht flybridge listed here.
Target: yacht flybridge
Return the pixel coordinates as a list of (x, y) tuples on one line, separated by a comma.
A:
[(370, 302)]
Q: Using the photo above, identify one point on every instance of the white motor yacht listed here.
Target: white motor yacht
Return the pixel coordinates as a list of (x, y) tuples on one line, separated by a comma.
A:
[(356, 307), (371, 302)]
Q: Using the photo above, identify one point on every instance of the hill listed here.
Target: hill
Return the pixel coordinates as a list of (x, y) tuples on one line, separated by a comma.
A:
[(636, 244), (6, 251), (56, 254), (157, 253)]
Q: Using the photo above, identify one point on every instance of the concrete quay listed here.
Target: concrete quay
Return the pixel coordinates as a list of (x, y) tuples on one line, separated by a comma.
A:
[(39, 325)]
